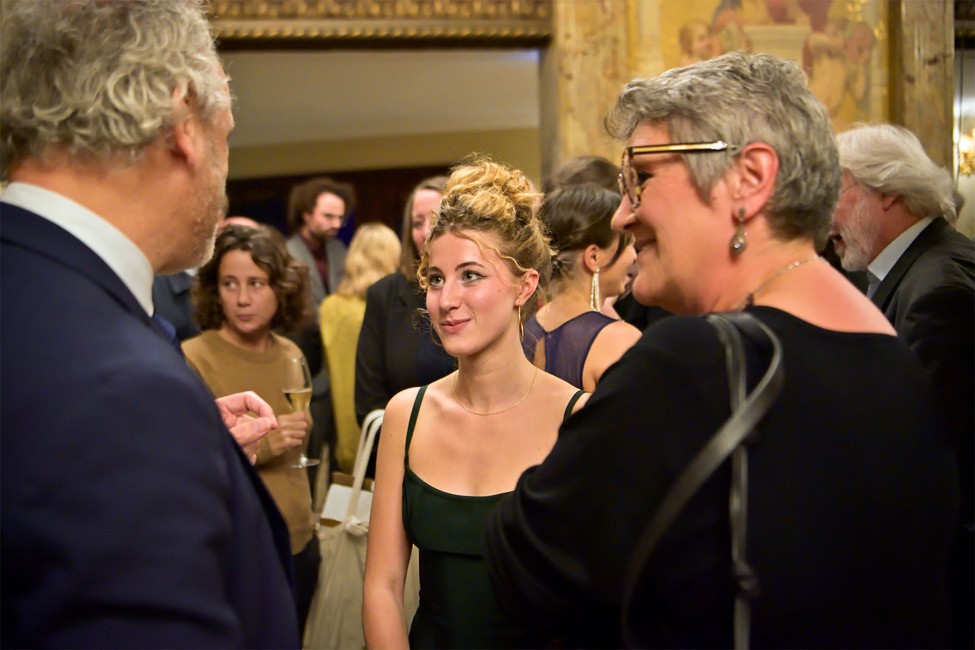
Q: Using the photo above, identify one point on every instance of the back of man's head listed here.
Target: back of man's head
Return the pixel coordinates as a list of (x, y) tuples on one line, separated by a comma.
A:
[(102, 80), (890, 160)]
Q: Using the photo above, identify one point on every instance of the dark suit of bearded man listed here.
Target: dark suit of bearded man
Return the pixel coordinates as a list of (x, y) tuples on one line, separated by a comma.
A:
[(130, 516), (929, 297)]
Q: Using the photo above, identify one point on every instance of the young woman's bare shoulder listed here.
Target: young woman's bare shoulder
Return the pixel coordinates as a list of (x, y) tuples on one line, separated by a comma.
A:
[(402, 400), (558, 393), (397, 413), (581, 402)]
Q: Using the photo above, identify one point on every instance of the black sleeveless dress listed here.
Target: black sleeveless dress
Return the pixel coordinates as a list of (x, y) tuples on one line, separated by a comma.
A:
[(457, 606)]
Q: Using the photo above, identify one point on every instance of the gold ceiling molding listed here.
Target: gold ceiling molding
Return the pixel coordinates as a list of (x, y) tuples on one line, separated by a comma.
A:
[(311, 21)]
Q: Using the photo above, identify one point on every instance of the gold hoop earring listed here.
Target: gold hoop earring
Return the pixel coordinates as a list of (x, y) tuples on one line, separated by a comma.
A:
[(739, 241), (595, 300)]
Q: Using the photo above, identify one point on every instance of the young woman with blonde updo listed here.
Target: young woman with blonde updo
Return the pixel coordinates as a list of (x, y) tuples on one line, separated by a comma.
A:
[(451, 450)]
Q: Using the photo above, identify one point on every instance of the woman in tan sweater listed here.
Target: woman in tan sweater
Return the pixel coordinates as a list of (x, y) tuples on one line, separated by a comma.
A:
[(249, 287)]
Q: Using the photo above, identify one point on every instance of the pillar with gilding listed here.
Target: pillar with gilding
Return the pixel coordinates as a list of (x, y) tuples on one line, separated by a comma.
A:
[(922, 73), (582, 72)]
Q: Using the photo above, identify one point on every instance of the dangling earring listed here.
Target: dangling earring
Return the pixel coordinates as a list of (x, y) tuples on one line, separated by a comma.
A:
[(595, 301), (521, 323), (738, 241)]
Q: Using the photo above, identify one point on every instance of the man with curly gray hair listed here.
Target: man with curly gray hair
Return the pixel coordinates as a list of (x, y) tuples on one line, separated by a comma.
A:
[(892, 221), (130, 516)]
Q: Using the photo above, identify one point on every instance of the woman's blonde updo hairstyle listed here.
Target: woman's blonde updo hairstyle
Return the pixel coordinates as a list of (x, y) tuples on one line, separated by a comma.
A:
[(482, 195)]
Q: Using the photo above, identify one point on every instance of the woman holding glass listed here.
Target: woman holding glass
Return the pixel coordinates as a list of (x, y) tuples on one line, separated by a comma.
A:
[(453, 449), (250, 286), (729, 177)]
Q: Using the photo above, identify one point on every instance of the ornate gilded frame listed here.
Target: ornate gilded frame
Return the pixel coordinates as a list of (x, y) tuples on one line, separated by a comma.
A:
[(371, 23)]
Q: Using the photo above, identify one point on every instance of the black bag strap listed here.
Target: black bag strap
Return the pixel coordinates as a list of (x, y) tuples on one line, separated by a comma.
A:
[(747, 411)]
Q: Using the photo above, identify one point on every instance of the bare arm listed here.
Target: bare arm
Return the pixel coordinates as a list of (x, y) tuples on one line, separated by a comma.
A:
[(610, 344), (388, 554)]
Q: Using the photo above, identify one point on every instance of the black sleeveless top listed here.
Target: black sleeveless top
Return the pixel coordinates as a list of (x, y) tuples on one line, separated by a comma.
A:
[(457, 606)]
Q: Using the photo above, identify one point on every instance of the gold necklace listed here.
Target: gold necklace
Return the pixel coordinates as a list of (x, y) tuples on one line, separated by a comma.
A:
[(750, 298), (507, 408)]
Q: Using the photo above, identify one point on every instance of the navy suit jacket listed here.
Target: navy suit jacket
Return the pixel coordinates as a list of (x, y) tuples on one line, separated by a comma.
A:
[(172, 300), (929, 297), (129, 515)]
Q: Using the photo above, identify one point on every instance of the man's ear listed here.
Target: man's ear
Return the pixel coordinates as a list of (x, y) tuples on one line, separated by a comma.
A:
[(887, 200), (187, 141), (757, 167)]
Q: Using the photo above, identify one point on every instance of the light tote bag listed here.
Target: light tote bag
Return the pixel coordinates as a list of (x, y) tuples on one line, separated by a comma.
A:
[(335, 618)]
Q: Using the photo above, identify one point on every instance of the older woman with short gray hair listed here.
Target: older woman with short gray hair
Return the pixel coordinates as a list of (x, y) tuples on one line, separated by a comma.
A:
[(831, 523)]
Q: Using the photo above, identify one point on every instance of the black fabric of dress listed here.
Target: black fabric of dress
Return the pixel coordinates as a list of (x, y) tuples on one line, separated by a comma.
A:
[(851, 499), (567, 346), (457, 607)]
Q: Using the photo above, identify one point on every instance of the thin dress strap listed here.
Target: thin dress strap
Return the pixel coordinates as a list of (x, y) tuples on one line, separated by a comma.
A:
[(568, 409), (413, 414)]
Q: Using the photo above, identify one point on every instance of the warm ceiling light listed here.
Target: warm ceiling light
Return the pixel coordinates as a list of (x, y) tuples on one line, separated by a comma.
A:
[(966, 153)]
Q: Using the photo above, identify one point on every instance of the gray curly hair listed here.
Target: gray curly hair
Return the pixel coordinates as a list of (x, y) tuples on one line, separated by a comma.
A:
[(99, 77), (741, 98)]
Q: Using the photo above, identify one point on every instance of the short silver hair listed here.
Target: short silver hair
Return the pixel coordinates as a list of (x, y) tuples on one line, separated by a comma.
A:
[(741, 99), (890, 159), (98, 78)]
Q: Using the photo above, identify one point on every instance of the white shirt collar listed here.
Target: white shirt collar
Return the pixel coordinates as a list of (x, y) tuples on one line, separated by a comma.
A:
[(107, 242), (884, 262)]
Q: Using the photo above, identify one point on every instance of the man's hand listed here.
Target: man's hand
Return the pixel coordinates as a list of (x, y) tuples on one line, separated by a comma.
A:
[(247, 430)]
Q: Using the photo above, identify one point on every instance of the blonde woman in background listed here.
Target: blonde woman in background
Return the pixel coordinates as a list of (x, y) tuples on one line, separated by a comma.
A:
[(373, 253)]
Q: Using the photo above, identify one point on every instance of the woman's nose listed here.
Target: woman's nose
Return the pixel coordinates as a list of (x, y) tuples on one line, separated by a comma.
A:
[(449, 295)]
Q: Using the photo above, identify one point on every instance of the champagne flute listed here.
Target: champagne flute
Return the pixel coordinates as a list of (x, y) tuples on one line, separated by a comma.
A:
[(297, 390)]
